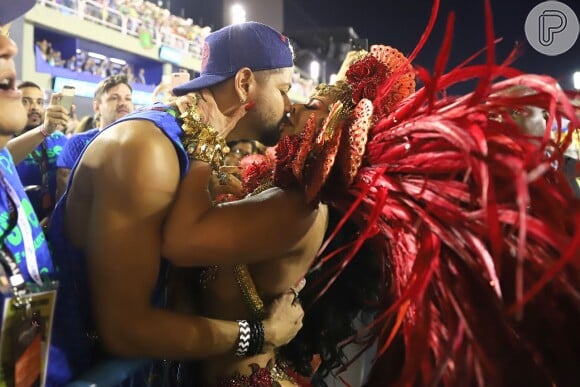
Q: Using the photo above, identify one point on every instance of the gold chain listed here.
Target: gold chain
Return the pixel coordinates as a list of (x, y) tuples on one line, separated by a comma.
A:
[(201, 141)]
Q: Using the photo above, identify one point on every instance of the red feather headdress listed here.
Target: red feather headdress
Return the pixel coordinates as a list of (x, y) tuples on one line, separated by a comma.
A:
[(479, 231)]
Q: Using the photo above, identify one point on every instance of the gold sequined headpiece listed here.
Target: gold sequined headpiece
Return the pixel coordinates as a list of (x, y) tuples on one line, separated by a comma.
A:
[(340, 91), (366, 76)]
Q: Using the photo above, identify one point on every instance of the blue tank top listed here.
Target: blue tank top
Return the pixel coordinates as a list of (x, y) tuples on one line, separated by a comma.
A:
[(74, 346), (13, 240)]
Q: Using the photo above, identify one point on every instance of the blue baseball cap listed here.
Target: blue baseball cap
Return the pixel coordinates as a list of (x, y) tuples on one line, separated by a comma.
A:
[(11, 9), (225, 51)]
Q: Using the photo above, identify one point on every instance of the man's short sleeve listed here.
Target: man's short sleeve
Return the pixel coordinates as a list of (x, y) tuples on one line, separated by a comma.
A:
[(72, 150)]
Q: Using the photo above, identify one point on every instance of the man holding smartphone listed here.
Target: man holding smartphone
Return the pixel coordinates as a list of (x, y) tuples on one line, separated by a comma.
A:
[(36, 149)]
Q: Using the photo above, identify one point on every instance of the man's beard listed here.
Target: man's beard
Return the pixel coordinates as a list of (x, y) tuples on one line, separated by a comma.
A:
[(270, 137), (32, 125)]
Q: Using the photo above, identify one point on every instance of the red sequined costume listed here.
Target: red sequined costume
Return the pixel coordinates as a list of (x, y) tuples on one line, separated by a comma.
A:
[(268, 376), (478, 229)]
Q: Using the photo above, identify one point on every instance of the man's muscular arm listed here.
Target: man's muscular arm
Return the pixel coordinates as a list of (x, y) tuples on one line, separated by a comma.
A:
[(133, 191)]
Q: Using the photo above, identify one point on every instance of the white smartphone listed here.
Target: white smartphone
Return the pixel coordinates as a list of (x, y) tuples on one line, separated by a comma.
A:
[(66, 100), (178, 79)]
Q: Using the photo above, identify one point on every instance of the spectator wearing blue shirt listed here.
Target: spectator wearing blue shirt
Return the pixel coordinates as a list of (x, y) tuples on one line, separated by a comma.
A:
[(36, 149), (113, 100)]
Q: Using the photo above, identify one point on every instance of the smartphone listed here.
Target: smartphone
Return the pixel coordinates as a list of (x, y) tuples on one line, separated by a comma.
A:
[(178, 79), (359, 44), (66, 100)]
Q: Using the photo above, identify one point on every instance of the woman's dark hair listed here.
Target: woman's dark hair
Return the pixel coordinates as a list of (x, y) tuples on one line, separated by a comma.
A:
[(332, 319), (86, 123)]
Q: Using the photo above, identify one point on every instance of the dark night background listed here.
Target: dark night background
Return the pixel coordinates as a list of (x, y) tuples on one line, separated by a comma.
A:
[(400, 24)]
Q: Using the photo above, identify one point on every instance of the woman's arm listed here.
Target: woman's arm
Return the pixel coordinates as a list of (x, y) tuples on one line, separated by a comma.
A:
[(261, 227)]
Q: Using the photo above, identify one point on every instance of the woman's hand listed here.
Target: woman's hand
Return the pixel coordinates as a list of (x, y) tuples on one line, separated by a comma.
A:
[(226, 182)]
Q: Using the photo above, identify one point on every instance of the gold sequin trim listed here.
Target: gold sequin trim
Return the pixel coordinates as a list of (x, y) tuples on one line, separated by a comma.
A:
[(201, 141), (249, 291)]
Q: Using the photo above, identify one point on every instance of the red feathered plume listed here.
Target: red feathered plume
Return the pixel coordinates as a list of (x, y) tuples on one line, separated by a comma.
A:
[(472, 222), (479, 231)]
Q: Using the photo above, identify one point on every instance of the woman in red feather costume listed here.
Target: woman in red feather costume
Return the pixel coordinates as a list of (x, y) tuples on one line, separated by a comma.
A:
[(472, 230)]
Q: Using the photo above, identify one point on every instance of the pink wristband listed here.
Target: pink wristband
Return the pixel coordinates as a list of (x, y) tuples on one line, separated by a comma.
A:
[(44, 132)]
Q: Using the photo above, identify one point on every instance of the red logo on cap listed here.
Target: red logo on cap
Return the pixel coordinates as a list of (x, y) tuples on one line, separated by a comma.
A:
[(283, 38), (204, 56)]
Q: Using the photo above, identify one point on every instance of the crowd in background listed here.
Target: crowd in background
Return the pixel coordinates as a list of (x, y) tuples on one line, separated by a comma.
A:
[(139, 18), (83, 61)]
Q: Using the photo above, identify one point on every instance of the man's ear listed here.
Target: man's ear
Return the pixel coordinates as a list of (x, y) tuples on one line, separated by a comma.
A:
[(96, 106), (242, 81)]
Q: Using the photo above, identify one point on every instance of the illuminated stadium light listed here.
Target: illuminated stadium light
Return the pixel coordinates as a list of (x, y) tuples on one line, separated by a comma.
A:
[(314, 70), (118, 61), (238, 14), (97, 56), (576, 80)]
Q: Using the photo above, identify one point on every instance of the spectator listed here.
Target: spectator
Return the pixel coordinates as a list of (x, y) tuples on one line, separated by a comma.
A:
[(90, 66), (85, 124), (25, 257), (57, 59), (36, 150), (71, 64), (146, 20), (113, 100), (45, 49), (532, 121), (140, 78)]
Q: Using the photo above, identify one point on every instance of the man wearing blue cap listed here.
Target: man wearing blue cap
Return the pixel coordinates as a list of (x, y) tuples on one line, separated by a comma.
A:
[(106, 229), (251, 63), (25, 263)]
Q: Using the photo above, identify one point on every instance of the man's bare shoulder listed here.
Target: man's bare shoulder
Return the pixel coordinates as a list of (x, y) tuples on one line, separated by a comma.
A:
[(136, 154), (135, 132)]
